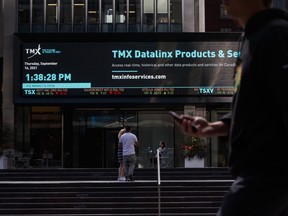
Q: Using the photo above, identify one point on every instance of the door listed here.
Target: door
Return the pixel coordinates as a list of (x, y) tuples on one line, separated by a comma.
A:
[(94, 143)]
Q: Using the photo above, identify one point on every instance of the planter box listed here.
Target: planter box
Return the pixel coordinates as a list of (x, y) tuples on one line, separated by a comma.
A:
[(194, 162), (3, 162)]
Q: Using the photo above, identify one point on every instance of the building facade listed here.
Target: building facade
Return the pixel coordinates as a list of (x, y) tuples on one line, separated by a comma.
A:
[(65, 133)]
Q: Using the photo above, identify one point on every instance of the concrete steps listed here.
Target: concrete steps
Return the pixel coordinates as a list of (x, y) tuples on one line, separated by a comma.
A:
[(82, 193), (111, 174)]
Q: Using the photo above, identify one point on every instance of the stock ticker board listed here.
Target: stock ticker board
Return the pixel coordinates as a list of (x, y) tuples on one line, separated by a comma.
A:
[(103, 68)]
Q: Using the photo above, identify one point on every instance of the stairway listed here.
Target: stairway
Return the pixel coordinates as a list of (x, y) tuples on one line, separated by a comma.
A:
[(87, 192)]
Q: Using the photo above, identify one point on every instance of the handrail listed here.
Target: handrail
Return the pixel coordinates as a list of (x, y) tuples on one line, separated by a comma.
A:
[(158, 166)]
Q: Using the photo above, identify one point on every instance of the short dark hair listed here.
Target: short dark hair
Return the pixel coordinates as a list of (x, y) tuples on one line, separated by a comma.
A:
[(162, 142), (267, 3), (128, 128)]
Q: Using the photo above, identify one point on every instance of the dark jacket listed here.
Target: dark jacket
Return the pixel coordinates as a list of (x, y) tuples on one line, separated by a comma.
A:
[(259, 116)]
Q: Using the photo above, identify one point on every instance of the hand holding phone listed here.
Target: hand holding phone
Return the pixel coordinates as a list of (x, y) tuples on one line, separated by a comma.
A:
[(177, 118)]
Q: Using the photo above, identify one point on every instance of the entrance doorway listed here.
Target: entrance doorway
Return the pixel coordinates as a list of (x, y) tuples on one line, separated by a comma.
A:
[(71, 137), (95, 137)]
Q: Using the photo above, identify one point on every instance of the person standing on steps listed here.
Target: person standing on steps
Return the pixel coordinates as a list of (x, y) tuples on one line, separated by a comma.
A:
[(162, 153), (257, 126), (128, 141), (121, 169)]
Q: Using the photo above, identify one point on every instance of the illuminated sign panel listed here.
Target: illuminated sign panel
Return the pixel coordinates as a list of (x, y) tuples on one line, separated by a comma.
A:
[(129, 67)]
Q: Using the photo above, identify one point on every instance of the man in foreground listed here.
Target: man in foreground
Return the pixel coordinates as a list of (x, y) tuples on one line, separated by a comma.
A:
[(257, 127)]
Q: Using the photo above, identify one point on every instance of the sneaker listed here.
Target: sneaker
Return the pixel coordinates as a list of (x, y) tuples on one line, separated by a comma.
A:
[(129, 178), (122, 178)]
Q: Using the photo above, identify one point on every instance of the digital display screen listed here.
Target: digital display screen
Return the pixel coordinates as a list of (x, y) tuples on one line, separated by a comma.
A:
[(150, 67)]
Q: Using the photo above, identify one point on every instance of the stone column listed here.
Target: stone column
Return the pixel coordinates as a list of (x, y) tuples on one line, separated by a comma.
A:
[(9, 27)]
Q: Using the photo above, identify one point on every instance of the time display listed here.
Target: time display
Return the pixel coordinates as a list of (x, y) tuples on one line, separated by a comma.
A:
[(158, 67), (49, 77)]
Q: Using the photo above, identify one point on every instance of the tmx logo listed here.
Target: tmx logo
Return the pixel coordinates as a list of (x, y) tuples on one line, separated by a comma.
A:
[(33, 52)]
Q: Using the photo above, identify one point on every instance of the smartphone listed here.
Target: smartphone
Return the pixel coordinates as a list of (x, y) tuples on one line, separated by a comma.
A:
[(177, 118)]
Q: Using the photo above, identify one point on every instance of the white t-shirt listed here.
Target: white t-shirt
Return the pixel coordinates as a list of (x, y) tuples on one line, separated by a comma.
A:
[(128, 140)]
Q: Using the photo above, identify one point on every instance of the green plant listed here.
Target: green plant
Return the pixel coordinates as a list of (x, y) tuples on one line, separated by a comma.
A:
[(194, 147)]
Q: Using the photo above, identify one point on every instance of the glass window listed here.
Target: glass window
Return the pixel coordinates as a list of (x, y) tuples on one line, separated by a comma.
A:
[(23, 16), (65, 16), (45, 132), (148, 16), (134, 16), (79, 16), (107, 16), (38, 133), (99, 132), (154, 127), (121, 11), (176, 15), (162, 15), (37, 16), (162, 6), (121, 15), (52, 16), (93, 16)]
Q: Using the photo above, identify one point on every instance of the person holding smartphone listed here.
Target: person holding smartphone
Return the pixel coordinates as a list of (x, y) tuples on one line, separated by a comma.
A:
[(257, 126)]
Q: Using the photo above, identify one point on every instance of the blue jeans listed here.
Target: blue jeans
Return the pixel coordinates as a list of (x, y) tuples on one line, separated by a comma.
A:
[(129, 162)]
